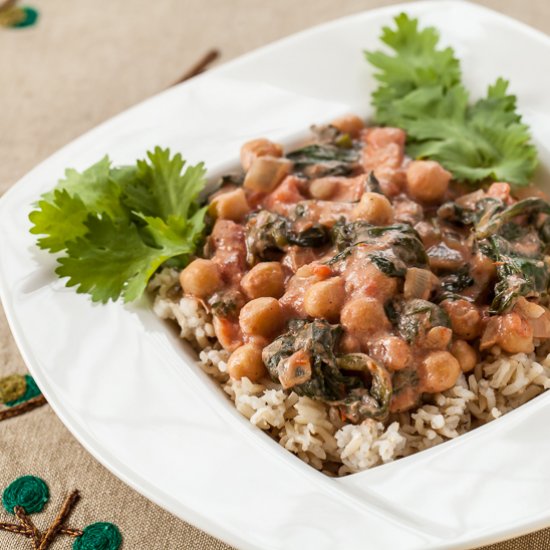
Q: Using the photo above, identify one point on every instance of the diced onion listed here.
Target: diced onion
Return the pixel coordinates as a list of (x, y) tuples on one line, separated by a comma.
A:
[(540, 326), (418, 283)]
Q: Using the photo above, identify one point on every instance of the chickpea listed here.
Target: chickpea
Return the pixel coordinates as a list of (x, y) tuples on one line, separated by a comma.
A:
[(465, 318), (261, 147), (349, 344), (364, 316), (262, 317), (323, 188), (325, 299), (246, 362), (266, 173), (515, 334), (264, 279), (366, 279), (201, 278), (438, 372), (349, 124), (393, 352), (438, 338), (465, 355), (231, 205), (374, 208), (427, 181)]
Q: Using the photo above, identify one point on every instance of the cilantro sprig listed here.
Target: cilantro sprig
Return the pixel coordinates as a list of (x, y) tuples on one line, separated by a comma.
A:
[(420, 91), (117, 226)]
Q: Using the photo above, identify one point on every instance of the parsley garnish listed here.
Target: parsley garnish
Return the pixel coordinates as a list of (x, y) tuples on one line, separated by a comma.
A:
[(117, 226), (420, 91)]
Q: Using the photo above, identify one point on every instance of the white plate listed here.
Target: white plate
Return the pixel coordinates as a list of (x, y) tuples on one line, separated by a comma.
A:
[(128, 389)]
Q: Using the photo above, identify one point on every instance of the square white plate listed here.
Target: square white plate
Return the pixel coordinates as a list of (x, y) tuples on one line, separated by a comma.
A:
[(129, 391)]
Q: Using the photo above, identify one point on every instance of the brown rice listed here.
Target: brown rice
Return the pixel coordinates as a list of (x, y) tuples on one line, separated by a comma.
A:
[(301, 425)]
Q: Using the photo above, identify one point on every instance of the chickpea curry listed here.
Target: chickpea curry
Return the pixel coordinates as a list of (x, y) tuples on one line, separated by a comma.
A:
[(351, 274)]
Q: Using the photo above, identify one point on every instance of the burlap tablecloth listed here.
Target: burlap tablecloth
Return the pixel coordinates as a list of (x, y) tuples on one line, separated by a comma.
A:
[(84, 62)]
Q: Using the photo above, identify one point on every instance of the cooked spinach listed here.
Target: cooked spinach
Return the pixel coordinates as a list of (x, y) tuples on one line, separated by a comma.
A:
[(457, 214), (544, 234), (517, 275), (491, 223), (403, 245), (372, 185), (268, 232), (388, 263), (414, 318), (365, 402), (226, 303), (356, 384), (319, 160), (451, 285)]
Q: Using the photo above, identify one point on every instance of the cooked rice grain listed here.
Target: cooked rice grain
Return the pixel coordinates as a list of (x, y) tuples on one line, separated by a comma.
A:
[(303, 426)]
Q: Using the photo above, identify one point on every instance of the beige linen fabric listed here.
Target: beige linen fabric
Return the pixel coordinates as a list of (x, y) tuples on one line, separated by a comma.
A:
[(84, 62)]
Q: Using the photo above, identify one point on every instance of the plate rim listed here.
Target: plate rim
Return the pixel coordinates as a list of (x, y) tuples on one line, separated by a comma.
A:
[(111, 462)]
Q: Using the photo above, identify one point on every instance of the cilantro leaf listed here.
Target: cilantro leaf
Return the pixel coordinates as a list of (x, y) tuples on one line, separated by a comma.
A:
[(418, 63), (117, 226), (161, 189), (420, 91), (112, 260), (97, 187), (60, 219)]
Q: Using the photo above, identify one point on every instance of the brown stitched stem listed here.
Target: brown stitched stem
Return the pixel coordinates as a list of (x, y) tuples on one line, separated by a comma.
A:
[(71, 532), (6, 4), (22, 408), (26, 522), (200, 66), (55, 527), (14, 528)]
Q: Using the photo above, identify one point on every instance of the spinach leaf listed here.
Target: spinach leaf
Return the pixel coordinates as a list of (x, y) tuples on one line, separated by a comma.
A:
[(457, 214), (372, 185), (414, 318), (491, 224), (517, 275), (354, 383), (268, 232), (451, 285), (319, 160), (403, 245), (388, 264)]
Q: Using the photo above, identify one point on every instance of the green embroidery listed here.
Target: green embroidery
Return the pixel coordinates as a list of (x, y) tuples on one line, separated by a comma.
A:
[(17, 17), (28, 19), (12, 387), (99, 536), (29, 492), (31, 390), (28, 495)]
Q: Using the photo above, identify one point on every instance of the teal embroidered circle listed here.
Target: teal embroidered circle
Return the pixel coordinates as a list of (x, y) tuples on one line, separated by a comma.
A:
[(12, 387), (99, 536), (29, 492), (31, 390)]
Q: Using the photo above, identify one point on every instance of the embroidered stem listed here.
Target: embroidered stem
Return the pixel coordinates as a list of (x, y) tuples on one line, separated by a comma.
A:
[(15, 528), (71, 532), (21, 530), (6, 4), (22, 408), (26, 522), (63, 514)]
